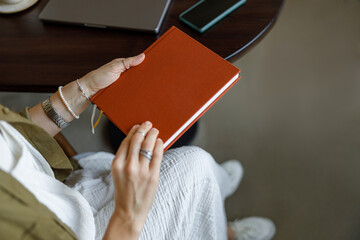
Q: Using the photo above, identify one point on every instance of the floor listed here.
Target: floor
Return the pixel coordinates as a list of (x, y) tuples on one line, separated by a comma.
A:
[(293, 121)]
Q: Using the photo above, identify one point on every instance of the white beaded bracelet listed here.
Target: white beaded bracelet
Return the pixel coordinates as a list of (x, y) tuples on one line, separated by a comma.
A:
[(83, 93), (67, 105)]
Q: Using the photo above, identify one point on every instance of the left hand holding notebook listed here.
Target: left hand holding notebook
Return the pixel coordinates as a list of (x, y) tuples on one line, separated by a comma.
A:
[(73, 98), (108, 73)]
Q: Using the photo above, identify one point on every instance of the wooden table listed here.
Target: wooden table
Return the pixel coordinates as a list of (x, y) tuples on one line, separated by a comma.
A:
[(38, 57)]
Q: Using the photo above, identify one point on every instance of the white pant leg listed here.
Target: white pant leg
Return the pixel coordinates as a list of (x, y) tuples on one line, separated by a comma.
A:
[(189, 203)]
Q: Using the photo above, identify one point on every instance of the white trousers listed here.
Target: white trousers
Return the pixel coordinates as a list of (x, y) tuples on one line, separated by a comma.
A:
[(189, 203)]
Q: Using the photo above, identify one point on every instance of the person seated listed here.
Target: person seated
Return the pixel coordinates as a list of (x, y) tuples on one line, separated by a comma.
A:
[(139, 193)]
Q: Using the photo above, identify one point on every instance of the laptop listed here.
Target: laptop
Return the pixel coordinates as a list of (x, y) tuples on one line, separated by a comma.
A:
[(140, 15)]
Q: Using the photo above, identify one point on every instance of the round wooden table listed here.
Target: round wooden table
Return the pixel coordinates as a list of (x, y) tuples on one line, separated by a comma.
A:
[(38, 57)]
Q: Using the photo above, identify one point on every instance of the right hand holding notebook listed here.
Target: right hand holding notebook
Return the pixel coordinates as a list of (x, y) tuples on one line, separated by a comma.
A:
[(136, 177), (108, 73)]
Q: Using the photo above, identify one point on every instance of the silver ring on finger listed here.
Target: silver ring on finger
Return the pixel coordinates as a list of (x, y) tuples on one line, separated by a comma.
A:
[(146, 153), (123, 61), (142, 133)]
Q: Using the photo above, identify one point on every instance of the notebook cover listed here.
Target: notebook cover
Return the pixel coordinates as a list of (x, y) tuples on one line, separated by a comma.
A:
[(177, 78)]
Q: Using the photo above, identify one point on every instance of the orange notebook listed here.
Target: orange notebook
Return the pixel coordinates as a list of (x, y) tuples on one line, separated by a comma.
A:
[(173, 87)]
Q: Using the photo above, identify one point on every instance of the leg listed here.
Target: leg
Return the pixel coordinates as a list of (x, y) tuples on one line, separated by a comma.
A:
[(189, 203)]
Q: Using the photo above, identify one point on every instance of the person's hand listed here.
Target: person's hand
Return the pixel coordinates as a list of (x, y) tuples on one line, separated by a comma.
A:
[(135, 180), (91, 83), (108, 73)]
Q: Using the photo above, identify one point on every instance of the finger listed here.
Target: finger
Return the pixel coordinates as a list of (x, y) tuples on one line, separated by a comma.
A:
[(137, 139), (124, 146), (149, 144), (126, 142), (157, 156), (134, 61)]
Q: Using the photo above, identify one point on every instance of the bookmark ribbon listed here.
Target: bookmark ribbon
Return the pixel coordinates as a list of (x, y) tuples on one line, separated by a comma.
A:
[(93, 126)]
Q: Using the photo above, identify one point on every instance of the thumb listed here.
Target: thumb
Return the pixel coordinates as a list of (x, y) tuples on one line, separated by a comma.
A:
[(133, 61), (119, 65)]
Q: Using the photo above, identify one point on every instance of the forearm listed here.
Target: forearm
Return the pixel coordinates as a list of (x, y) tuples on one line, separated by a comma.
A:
[(125, 228), (72, 95)]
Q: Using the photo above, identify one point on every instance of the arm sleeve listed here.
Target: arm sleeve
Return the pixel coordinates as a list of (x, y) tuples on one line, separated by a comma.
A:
[(41, 141), (22, 216)]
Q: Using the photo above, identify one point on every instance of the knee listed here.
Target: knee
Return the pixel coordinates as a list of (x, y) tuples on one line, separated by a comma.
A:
[(185, 154), (190, 161)]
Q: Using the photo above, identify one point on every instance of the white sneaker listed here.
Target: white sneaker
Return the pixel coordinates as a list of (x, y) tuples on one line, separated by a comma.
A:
[(253, 228), (235, 172)]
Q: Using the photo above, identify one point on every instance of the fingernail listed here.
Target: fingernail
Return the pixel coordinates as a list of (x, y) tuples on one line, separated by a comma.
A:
[(140, 55), (159, 139), (147, 123), (136, 126)]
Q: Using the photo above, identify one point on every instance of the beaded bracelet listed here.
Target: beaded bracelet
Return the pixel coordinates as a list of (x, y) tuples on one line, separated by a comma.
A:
[(67, 105)]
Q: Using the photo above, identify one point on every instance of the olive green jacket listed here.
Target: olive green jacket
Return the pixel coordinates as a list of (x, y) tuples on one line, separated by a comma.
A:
[(22, 216)]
